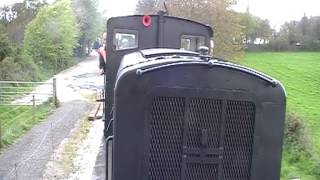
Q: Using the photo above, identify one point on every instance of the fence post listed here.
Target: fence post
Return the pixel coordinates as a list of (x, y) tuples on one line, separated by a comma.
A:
[(52, 141), (0, 128), (16, 170), (0, 134), (33, 107), (54, 89)]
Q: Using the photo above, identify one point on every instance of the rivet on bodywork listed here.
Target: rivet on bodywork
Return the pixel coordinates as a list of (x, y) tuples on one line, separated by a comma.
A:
[(211, 63), (275, 83), (139, 72)]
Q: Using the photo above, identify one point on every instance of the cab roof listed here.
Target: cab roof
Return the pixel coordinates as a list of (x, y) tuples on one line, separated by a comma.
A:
[(170, 17)]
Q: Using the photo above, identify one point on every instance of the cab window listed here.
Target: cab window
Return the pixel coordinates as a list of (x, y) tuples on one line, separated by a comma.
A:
[(192, 43), (125, 39)]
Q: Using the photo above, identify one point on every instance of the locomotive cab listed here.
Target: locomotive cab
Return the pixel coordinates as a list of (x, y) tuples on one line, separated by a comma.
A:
[(133, 33), (178, 114)]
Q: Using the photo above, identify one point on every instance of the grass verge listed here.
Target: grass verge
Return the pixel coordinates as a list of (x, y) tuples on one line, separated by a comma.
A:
[(300, 74), (17, 120), (69, 151)]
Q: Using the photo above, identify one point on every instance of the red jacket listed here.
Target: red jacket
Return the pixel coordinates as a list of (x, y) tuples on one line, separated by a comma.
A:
[(103, 53)]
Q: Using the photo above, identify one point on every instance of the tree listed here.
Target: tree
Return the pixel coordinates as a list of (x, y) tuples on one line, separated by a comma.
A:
[(263, 31), (304, 25), (16, 17), (255, 28), (14, 64), (51, 37), (217, 13), (146, 7), (316, 27), (249, 25), (5, 46), (89, 21), (18, 66), (298, 35)]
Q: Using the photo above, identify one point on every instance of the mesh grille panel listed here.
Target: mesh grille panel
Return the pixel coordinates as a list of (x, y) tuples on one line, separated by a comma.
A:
[(238, 140), (166, 138), (204, 114), (202, 172), (204, 119)]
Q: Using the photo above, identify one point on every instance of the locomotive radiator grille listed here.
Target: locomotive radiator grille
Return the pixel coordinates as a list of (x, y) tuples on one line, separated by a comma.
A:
[(205, 114), (202, 172), (166, 138), (238, 140), (191, 139)]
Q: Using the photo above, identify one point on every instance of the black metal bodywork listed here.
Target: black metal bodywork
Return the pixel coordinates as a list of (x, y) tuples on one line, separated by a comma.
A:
[(179, 115), (165, 32)]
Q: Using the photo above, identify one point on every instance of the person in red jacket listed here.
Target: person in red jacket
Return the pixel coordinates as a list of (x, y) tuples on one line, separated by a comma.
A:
[(100, 47)]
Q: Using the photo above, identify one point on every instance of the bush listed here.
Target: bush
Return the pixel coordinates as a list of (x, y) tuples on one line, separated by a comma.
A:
[(299, 158), (5, 46), (19, 67), (51, 37), (8, 69), (296, 136)]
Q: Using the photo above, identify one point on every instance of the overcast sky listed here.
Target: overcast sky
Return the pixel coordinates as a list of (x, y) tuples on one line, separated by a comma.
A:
[(277, 11), (118, 7)]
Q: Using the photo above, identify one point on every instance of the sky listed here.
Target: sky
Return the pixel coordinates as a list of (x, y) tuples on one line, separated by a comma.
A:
[(280, 11), (276, 11), (117, 7)]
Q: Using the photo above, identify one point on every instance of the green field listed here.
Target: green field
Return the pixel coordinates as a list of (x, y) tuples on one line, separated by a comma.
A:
[(16, 120), (300, 74)]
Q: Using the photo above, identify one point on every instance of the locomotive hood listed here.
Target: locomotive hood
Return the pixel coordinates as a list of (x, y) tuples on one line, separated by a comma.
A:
[(156, 58), (180, 113)]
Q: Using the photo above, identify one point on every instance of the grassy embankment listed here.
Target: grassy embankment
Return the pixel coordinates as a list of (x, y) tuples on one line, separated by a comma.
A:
[(17, 120), (300, 74)]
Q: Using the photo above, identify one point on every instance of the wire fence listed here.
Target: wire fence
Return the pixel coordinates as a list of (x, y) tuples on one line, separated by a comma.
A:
[(14, 172), (13, 93), (46, 159), (42, 154), (44, 151), (19, 105), (18, 170)]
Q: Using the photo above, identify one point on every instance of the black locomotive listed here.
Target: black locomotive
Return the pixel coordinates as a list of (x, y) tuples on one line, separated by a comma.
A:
[(172, 113)]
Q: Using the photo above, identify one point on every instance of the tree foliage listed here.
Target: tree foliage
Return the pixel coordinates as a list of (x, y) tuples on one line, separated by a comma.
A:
[(89, 21), (255, 29), (217, 13), (298, 35), (52, 35), (19, 67), (14, 63), (16, 17), (5, 47), (147, 6)]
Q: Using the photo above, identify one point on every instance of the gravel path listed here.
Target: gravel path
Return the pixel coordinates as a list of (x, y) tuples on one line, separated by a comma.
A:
[(27, 158), (99, 172), (87, 152)]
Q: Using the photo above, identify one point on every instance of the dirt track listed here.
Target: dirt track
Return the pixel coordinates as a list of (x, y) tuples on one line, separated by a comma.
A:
[(27, 158)]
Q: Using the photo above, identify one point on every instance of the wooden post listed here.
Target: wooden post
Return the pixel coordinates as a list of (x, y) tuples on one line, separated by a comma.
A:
[(16, 170), (0, 134), (33, 107), (54, 89)]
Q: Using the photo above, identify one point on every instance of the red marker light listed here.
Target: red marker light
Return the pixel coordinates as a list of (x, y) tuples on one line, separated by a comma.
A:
[(146, 20)]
